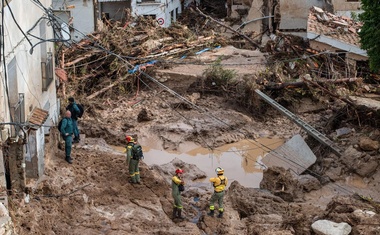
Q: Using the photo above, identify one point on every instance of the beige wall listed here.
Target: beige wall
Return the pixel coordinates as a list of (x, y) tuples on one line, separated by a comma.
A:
[(324, 47), (343, 5), (254, 12), (294, 13)]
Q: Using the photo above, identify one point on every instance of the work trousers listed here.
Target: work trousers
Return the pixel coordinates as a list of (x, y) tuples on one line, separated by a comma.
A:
[(134, 171), (76, 129), (217, 197), (68, 145)]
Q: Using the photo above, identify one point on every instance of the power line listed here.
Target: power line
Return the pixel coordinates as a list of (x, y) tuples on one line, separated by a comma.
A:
[(197, 107), (4, 62)]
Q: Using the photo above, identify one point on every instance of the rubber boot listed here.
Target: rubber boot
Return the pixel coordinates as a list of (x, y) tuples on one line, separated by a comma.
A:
[(68, 159), (179, 214), (211, 213), (220, 215), (137, 177), (174, 212)]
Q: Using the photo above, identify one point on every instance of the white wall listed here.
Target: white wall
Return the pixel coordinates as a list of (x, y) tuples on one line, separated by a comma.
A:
[(82, 14), (159, 10), (27, 66)]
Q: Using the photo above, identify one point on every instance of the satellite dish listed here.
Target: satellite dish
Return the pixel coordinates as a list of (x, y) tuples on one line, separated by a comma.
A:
[(65, 32)]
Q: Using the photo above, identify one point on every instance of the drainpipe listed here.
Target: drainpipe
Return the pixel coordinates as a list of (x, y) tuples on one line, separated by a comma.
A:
[(96, 14)]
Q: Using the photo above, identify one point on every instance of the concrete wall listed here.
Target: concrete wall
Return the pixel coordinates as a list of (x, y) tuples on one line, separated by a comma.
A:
[(343, 5), (256, 11), (82, 13), (25, 65), (294, 13)]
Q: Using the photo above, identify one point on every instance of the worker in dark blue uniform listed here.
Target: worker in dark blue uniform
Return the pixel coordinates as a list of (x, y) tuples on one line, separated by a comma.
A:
[(67, 131)]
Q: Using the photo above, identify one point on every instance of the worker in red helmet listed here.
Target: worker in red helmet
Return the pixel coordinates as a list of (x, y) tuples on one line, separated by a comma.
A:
[(132, 160), (219, 183), (177, 188)]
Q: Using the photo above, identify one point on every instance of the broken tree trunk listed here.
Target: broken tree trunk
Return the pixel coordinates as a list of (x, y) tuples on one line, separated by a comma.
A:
[(347, 101), (102, 90), (278, 86), (68, 64), (228, 27)]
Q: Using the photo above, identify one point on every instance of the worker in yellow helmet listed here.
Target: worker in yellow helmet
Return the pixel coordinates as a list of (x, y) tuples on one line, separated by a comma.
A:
[(219, 183)]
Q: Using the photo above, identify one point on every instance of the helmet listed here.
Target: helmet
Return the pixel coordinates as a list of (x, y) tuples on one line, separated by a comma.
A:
[(129, 138), (179, 171), (219, 171)]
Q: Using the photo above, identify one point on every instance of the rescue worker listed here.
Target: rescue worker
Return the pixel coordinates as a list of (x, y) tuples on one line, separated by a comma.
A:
[(219, 183), (133, 164), (177, 183), (73, 108), (67, 130)]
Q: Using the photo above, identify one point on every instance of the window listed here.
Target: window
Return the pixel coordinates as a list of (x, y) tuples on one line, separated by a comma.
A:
[(153, 17), (47, 71)]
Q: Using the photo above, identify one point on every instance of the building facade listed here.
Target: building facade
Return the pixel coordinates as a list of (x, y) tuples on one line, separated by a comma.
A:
[(28, 99), (83, 15)]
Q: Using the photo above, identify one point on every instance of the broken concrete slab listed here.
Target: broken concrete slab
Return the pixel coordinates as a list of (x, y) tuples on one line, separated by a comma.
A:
[(295, 154), (367, 102), (343, 131)]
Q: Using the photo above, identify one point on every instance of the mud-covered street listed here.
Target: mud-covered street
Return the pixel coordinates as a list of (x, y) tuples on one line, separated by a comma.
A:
[(93, 196)]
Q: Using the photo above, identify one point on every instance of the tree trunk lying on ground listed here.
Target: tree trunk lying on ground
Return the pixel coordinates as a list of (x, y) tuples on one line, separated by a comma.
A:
[(278, 86)]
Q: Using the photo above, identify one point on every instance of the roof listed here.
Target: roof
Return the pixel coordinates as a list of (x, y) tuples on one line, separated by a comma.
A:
[(340, 28), (38, 117)]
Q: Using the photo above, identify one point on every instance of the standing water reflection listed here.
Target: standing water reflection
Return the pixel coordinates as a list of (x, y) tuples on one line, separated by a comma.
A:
[(239, 159)]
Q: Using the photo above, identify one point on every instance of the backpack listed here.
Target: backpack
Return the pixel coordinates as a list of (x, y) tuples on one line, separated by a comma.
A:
[(81, 110), (137, 152), (74, 114), (60, 125), (222, 182)]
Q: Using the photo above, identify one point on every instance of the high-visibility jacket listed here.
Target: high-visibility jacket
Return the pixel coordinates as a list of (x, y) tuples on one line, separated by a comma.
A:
[(176, 181), (219, 183)]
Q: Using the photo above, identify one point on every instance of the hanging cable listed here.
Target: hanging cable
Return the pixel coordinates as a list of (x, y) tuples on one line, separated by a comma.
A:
[(4, 62), (280, 156)]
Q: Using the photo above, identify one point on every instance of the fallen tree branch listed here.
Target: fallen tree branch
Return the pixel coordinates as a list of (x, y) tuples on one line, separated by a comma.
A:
[(347, 101), (102, 90), (93, 52), (228, 27), (278, 86)]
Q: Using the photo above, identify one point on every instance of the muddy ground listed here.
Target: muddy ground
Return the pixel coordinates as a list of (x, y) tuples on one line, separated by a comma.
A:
[(93, 196)]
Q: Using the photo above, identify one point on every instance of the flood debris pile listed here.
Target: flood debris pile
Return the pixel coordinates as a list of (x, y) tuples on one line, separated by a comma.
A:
[(107, 62)]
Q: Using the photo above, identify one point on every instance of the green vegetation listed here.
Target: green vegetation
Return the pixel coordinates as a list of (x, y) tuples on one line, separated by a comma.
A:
[(218, 75), (370, 33)]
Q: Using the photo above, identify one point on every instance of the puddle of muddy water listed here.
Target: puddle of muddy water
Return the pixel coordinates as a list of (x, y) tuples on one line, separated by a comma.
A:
[(239, 159)]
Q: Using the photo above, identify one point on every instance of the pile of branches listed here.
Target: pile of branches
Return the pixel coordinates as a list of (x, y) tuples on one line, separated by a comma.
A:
[(108, 61)]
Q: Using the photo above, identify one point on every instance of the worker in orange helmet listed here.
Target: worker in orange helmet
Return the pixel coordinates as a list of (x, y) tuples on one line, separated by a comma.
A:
[(177, 188), (219, 183)]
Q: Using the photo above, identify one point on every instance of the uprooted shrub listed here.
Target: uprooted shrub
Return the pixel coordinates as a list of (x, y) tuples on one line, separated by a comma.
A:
[(217, 78)]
